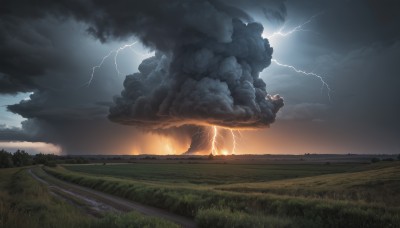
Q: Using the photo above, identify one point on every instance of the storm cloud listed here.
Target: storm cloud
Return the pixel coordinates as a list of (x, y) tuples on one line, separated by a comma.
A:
[(49, 48), (202, 83), (205, 71)]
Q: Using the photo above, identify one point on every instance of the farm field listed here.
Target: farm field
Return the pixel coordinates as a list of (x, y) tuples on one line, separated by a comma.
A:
[(254, 195), (213, 173)]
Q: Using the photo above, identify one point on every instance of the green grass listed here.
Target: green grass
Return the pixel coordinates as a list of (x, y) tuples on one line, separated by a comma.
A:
[(220, 218), (297, 202), (24, 202), (213, 173), (132, 220), (380, 185)]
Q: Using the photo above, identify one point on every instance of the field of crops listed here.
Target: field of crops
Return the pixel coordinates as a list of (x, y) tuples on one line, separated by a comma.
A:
[(227, 195), (213, 173)]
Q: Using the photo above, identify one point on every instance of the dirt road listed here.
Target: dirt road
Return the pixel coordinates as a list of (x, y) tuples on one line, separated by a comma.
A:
[(97, 202)]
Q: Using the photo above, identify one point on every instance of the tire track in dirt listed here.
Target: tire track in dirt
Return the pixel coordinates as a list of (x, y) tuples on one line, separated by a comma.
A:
[(98, 202)]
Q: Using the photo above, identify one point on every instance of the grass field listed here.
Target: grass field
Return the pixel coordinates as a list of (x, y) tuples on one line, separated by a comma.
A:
[(213, 173), (224, 195), (24, 202)]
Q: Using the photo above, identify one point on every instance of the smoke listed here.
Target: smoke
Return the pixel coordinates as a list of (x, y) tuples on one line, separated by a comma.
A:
[(197, 136), (205, 72), (208, 75)]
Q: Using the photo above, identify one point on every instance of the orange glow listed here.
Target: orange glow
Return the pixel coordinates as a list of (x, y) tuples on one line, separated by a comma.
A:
[(233, 142), (218, 144), (159, 144), (281, 139), (214, 141), (222, 141)]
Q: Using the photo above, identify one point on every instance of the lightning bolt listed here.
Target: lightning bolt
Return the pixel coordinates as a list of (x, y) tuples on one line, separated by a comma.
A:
[(116, 53), (214, 140), (233, 141), (298, 28), (96, 67), (324, 83), (294, 30)]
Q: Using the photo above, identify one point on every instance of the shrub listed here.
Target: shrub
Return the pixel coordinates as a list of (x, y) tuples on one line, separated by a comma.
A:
[(226, 218), (132, 220), (5, 159), (375, 160), (50, 163), (21, 158)]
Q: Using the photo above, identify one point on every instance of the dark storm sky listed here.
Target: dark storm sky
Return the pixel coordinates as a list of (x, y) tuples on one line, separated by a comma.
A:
[(48, 50)]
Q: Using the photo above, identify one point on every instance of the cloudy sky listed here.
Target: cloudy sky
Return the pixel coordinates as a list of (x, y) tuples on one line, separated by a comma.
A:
[(349, 104)]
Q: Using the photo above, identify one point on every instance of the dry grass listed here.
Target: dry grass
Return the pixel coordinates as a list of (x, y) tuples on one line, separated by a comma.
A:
[(380, 185), (24, 202), (305, 201)]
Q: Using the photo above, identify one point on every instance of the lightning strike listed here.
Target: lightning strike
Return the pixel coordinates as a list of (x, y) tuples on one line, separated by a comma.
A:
[(298, 28), (96, 67), (280, 32), (294, 30), (214, 141), (116, 53), (324, 84), (233, 141)]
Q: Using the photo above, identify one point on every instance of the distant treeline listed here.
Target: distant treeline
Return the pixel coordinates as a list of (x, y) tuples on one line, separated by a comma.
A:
[(21, 158)]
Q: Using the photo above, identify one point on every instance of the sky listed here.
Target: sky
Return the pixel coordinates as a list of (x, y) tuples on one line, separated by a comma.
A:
[(155, 77)]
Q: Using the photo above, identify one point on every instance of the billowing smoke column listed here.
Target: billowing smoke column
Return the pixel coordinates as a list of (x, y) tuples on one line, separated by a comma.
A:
[(204, 80), (205, 71)]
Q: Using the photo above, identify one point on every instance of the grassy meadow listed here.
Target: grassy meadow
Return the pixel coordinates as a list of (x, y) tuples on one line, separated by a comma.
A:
[(255, 195), (209, 174), (25, 202)]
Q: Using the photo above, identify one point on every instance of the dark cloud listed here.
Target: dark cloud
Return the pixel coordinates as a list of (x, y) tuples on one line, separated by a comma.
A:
[(203, 83), (207, 75), (168, 27), (277, 14), (13, 134), (60, 110), (25, 52), (354, 44)]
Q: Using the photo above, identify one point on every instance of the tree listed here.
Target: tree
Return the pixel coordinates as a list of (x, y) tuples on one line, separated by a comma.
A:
[(21, 158), (44, 158), (39, 158), (398, 157), (5, 159)]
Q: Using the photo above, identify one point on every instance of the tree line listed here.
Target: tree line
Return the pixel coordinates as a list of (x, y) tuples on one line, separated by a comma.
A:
[(21, 158)]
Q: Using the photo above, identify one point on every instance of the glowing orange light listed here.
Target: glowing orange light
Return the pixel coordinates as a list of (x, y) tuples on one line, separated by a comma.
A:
[(169, 149), (225, 152), (233, 141), (214, 140)]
